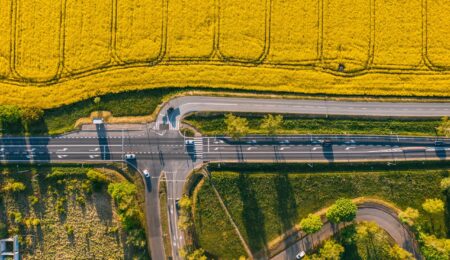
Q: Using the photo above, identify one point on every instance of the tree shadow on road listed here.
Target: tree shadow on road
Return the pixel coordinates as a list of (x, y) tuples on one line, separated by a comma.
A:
[(252, 215)]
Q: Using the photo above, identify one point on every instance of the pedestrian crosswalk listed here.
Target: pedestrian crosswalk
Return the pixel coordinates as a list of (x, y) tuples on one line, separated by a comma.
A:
[(198, 147)]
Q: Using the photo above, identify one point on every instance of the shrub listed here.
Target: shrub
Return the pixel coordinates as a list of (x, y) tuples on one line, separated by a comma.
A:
[(33, 200), (124, 195), (60, 205), (14, 187), (97, 178), (69, 229), (311, 224), (80, 200), (16, 217), (343, 210)]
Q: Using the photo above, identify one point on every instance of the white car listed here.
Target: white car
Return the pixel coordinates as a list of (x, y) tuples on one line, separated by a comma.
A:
[(300, 255), (146, 173), (130, 156)]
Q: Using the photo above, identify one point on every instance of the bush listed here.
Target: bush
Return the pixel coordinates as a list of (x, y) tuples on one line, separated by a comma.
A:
[(60, 205), (97, 178), (124, 195), (69, 229), (14, 187), (33, 200), (343, 210)]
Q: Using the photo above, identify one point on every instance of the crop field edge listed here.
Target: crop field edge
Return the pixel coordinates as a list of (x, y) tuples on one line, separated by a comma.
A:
[(258, 79)]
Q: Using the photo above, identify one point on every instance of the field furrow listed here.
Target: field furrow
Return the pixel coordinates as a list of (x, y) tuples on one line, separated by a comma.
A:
[(37, 38), (294, 31), (190, 29), (398, 33), (88, 34), (346, 34), (139, 29), (438, 27), (242, 29), (5, 37)]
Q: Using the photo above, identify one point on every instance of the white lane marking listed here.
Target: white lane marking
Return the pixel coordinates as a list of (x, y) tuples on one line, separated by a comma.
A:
[(282, 148), (217, 148), (62, 156), (94, 156), (94, 150), (315, 148), (348, 148), (62, 150)]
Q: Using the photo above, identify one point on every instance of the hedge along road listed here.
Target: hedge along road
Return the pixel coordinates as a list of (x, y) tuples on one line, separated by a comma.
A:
[(385, 217), (189, 104)]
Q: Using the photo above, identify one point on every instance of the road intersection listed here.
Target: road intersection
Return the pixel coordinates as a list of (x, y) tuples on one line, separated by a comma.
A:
[(166, 152)]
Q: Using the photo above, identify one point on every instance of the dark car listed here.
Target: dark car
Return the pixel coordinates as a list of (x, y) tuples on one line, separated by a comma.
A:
[(327, 142), (439, 143)]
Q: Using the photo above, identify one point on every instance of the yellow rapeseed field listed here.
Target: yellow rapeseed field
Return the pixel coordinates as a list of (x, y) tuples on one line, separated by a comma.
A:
[(294, 34), (5, 32), (37, 36), (243, 29), (87, 34), (55, 52), (346, 33), (139, 30), (438, 33), (190, 29), (398, 33)]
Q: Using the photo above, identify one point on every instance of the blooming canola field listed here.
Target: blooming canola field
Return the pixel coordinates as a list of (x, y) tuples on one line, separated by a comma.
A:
[(73, 49)]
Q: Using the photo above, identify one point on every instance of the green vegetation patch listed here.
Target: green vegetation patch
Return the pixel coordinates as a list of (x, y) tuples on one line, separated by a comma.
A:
[(214, 124), (214, 231), (266, 203), (66, 212)]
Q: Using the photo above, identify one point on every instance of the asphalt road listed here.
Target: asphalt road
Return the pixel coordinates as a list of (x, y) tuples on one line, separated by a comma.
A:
[(189, 104), (166, 151), (379, 214)]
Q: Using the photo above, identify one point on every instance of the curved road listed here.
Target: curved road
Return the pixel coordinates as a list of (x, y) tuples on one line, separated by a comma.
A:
[(380, 214), (188, 104)]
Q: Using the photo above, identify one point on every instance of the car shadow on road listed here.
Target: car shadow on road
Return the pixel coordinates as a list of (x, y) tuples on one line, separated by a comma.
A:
[(328, 153), (102, 137)]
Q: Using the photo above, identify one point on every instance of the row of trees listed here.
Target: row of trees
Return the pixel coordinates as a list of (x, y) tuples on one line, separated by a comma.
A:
[(238, 126), (11, 116)]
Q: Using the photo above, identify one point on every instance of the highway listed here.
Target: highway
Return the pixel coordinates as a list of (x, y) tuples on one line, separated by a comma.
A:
[(163, 150)]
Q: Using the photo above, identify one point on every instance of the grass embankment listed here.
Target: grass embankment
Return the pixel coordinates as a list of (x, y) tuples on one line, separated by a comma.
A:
[(214, 124), (67, 212), (137, 103), (214, 231), (164, 218), (267, 200)]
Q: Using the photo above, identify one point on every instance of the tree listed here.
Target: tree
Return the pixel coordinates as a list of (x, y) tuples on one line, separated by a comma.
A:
[(271, 124), (408, 216), (445, 184), (435, 248), (236, 126), (343, 210), (331, 250), (444, 128), (371, 241), (311, 224), (398, 253), (31, 114), (434, 208), (10, 119)]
